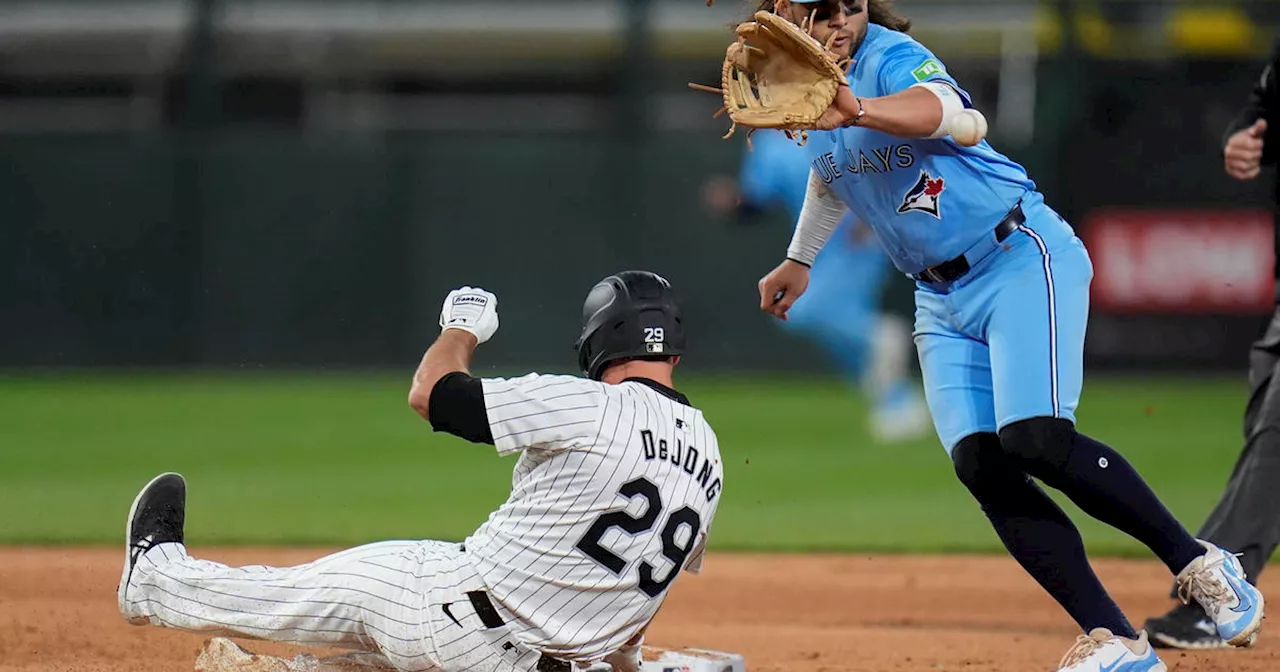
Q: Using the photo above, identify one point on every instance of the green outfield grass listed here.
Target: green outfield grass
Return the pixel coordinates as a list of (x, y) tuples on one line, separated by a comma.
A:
[(341, 459)]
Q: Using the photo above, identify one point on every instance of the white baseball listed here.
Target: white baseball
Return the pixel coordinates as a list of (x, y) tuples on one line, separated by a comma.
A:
[(968, 127)]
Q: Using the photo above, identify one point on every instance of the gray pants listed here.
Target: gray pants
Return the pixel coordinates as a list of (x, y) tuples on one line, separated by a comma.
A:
[(1247, 518)]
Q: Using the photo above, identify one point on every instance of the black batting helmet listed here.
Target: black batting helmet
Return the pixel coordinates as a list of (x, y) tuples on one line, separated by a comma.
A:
[(629, 314)]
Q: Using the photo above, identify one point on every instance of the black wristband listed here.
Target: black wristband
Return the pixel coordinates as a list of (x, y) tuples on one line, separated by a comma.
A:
[(799, 262)]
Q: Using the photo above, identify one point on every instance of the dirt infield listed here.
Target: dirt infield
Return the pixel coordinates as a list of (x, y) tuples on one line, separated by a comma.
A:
[(784, 613)]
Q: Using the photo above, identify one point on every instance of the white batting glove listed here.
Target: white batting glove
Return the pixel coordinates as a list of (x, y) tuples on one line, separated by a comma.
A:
[(470, 309)]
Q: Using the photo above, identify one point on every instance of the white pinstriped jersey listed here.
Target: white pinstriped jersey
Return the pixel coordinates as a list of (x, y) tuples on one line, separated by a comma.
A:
[(613, 495)]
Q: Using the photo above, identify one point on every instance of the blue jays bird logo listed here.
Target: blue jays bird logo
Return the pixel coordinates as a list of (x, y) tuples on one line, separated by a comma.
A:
[(924, 196)]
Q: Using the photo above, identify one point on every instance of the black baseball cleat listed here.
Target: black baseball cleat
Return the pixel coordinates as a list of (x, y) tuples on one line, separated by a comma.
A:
[(1185, 627), (156, 517)]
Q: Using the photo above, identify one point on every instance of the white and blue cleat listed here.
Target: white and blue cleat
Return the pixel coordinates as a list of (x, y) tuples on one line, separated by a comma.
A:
[(1101, 651), (1217, 582)]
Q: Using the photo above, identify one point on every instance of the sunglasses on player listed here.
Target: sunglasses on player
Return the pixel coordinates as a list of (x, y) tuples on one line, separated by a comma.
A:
[(824, 11)]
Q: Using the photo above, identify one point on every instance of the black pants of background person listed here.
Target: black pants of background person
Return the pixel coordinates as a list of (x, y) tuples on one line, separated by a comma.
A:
[(1247, 518)]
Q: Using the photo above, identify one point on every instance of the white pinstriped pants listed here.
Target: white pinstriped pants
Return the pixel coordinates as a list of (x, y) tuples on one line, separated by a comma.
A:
[(386, 597)]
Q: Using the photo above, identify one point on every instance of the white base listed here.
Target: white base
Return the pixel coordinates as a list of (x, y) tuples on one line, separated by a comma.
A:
[(691, 660)]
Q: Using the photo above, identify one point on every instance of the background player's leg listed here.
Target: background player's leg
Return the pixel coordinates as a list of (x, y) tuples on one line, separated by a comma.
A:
[(836, 311), (1247, 518), (841, 311), (363, 598), (819, 320), (899, 412), (1036, 330)]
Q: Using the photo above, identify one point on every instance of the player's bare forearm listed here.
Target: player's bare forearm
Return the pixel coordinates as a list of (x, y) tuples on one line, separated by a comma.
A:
[(451, 352), (913, 113)]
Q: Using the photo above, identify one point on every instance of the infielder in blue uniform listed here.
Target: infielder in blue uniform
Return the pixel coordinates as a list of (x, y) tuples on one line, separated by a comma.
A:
[(1002, 302), (841, 309)]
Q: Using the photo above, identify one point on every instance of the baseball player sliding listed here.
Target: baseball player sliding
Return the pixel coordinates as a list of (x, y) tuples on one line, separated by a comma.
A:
[(1001, 307), (614, 492)]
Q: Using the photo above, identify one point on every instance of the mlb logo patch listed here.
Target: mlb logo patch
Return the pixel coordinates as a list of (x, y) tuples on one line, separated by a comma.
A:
[(654, 337), (925, 196)]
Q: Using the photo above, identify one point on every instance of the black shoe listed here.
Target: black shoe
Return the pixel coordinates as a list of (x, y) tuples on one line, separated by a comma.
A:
[(156, 517), (1185, 627)]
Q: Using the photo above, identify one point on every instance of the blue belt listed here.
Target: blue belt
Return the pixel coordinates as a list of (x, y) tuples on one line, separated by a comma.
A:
[(954, 269)]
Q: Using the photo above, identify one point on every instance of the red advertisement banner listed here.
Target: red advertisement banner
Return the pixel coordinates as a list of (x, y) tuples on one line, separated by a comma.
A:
[(1181, 261)]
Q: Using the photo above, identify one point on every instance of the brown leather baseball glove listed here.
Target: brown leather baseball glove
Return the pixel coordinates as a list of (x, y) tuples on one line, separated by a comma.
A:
[(776, 75)]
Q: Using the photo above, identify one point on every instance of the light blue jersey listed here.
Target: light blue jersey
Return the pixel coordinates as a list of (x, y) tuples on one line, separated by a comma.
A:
[(927, 200), (1003, 340)]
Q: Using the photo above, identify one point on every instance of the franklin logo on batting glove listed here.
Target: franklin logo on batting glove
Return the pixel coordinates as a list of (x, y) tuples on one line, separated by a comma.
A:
[(471, 309)]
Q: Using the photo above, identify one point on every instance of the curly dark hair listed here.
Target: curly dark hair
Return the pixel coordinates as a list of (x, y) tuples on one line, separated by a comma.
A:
[(880, 12)]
